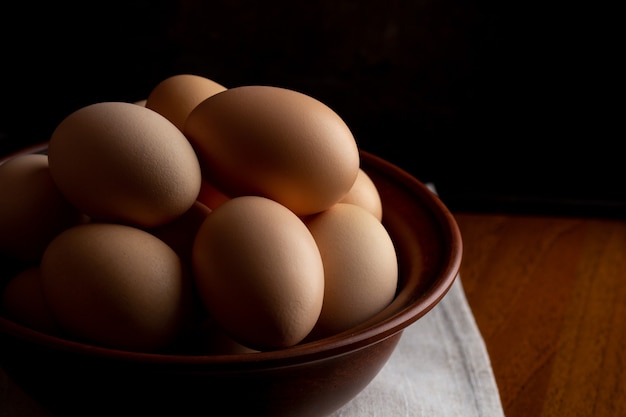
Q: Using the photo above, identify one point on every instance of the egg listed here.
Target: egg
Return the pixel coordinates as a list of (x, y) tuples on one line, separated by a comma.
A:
[(176, 96), (360, 267), (180, 233), (365, 194), (23, 301), (124, 163), (275, 143), (118, 286), (32, 209), (259, 272)]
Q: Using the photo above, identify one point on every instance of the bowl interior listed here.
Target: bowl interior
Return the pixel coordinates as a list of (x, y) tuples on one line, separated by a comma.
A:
[(428, 245)]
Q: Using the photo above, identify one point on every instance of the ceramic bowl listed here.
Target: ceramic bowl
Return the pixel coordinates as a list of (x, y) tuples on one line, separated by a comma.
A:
[(310, 379)]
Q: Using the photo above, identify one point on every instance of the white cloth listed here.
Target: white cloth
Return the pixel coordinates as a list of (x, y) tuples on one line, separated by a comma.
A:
[(440, 368)]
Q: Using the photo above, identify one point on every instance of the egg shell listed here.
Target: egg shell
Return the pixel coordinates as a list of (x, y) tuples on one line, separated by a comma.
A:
[(23, 301), (180, 233), (176, 96), (124, 163), (259, 272), (276, 143), (365, 194), (360, 267), (117, 286), (32, 209)]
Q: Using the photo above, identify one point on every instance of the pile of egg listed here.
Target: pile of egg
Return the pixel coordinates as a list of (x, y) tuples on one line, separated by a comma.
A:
[(202, 220)]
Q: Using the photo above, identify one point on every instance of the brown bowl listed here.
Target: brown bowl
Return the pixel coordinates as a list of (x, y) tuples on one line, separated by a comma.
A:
[(311, 379)]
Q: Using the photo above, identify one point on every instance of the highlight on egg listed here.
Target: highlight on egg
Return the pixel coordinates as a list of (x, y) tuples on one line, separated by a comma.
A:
[(259, 272), (360, 267), (276, 143), (125, 163)]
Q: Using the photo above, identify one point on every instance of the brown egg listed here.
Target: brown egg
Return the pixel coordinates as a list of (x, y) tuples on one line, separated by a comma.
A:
[(124, 163), (176, 96), (360, 266), (32, 209), (259, 273), (365, 194), (180, 233), (23, 301), (117, 286), (276, 143)]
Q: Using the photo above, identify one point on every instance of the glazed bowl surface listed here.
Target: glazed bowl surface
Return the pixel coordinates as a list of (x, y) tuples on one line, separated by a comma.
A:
[(310, 379)]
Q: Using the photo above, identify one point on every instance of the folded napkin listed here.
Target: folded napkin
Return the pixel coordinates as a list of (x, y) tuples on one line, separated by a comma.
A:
[(440, 368)]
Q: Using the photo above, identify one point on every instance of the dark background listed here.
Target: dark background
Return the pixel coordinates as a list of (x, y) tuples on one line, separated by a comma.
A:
[(506, 106)]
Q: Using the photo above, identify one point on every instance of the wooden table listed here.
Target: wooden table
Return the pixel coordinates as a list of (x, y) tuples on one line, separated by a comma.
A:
[(549, 296)]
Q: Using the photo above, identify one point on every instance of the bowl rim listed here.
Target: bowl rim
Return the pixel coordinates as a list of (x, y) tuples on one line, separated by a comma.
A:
[(361, 336)]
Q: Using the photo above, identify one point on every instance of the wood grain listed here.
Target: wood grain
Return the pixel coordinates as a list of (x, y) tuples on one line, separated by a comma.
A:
[(549, 296)]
